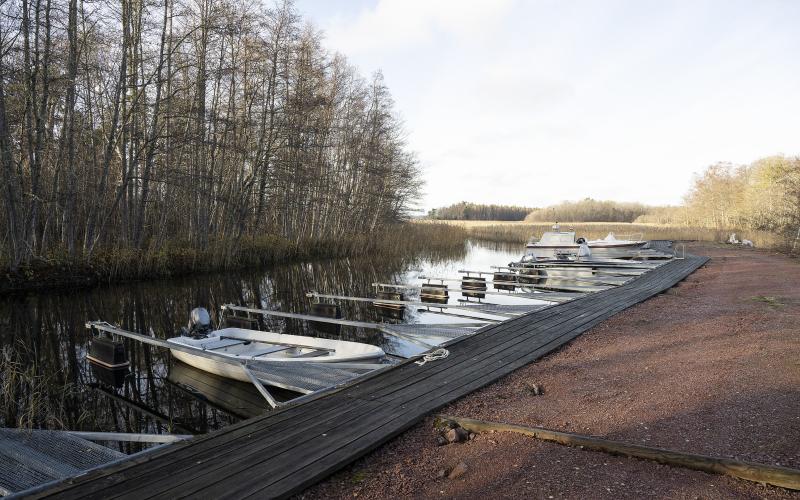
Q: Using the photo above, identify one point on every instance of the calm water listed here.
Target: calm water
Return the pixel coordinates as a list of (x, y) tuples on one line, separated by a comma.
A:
[(47, 382)]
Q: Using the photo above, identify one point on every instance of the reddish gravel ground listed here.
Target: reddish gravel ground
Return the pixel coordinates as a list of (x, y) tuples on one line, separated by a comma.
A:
[(712, 367)]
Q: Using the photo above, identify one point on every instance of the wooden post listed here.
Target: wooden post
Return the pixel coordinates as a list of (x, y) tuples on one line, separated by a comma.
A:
[(751, 471)]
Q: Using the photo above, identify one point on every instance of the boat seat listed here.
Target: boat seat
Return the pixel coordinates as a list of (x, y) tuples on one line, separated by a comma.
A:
[(269, 350), (311, 354), (220, 344)]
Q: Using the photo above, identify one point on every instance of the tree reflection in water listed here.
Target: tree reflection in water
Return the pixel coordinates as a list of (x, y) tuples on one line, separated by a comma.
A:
[(46, 382)]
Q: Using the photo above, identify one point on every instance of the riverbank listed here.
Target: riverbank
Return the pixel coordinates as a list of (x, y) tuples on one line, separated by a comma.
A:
[(521, 232), (124, 265), (709, 367)]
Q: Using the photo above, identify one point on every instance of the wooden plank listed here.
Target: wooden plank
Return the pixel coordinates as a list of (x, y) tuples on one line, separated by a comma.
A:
[(257, 451), (192, 451), (751, 471)]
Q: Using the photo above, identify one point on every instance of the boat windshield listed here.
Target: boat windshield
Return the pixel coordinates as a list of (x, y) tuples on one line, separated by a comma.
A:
[(559, 238)]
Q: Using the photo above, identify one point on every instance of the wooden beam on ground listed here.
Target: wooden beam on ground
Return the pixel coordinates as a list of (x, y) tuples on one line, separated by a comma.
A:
[(751, 471)]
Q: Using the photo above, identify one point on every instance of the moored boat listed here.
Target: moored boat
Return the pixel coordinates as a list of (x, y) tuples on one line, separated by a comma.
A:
[(563, 245), (246, 346)]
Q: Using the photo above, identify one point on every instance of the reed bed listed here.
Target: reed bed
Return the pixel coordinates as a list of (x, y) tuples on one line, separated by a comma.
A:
[(27, 398), (521, 232), (118, 265)]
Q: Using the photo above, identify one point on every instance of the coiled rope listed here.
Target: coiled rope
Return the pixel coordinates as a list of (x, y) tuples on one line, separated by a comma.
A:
[(436, 355)]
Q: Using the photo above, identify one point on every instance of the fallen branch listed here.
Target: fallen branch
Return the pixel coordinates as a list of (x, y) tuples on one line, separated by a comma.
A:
[(760, 473)]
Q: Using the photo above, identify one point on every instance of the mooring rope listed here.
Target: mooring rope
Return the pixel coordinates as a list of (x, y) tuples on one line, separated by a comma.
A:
[(436, 355)]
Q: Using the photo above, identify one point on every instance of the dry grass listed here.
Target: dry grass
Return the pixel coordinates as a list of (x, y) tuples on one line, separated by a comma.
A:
[(117, 265), (520, 232), (26, 396)]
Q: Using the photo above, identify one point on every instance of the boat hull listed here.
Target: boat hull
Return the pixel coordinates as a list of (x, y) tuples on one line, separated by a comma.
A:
[(244, 346), (599, 252), (226, 370)]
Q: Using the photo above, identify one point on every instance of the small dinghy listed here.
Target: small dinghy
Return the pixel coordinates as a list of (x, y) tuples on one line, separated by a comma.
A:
[(253, 345)]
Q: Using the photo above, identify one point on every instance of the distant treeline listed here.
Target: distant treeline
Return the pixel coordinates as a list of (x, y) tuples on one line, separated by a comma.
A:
[(473, 211), (589, 210), (764, 195)]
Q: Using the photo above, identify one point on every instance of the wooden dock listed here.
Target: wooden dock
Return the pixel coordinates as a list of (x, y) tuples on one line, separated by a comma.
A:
[(285, 451)]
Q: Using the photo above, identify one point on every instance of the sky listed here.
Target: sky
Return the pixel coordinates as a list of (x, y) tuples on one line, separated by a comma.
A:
[(539, 101)]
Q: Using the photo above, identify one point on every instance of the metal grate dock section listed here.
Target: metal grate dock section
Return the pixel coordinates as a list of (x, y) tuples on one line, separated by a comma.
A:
[(430, 330), (304, 378), (503, 308), (29, 458)]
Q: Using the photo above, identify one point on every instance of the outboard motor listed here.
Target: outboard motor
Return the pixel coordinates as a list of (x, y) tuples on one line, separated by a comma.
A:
[(199, 323)]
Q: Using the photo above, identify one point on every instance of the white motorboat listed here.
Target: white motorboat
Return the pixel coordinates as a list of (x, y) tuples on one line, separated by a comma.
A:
[(247, 346), (561, 245), (612, 241)]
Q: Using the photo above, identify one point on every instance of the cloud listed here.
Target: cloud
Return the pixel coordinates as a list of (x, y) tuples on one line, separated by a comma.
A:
[(536, 101), (402, 25)]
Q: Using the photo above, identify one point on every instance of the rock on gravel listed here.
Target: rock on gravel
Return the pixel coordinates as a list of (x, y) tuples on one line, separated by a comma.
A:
[(456, 435), (459, 470)]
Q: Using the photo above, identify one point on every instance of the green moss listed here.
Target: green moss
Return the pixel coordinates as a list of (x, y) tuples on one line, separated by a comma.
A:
[(773, 302), (358, 477)]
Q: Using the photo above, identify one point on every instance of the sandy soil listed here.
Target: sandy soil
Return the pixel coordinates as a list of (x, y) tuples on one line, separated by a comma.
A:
[(712, 366)]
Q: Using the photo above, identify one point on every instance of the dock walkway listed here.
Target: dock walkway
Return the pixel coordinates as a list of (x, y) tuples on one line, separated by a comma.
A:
[(285, 451)]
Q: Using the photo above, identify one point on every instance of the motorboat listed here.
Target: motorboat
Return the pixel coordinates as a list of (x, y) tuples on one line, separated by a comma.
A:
[(612, 241), (563, 245), (248, 346)]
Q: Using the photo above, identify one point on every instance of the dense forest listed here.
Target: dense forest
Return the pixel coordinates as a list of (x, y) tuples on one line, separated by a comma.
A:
[(764, 195), (474, 211), (589, 210), (200, 123)]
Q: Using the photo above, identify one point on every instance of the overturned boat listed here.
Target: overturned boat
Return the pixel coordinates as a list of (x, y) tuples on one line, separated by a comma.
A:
[(248, 346)]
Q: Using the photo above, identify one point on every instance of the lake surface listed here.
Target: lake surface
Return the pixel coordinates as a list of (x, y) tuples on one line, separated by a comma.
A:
[(48, 383)]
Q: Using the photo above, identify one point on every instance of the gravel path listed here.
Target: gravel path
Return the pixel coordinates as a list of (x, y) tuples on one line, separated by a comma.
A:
[(712, 366)]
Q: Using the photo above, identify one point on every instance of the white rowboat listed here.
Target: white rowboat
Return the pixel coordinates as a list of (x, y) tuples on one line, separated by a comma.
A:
[(252, 345)]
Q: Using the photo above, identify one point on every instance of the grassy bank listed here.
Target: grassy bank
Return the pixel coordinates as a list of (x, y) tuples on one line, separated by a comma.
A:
[(119, 265), (520, 232)]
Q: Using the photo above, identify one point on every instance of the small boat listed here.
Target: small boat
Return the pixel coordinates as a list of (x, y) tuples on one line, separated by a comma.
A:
[(253, 345), (563, 245), (612, 241)]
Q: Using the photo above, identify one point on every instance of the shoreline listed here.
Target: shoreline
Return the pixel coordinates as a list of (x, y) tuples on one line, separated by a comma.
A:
[(129, 266), (709, 367)]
